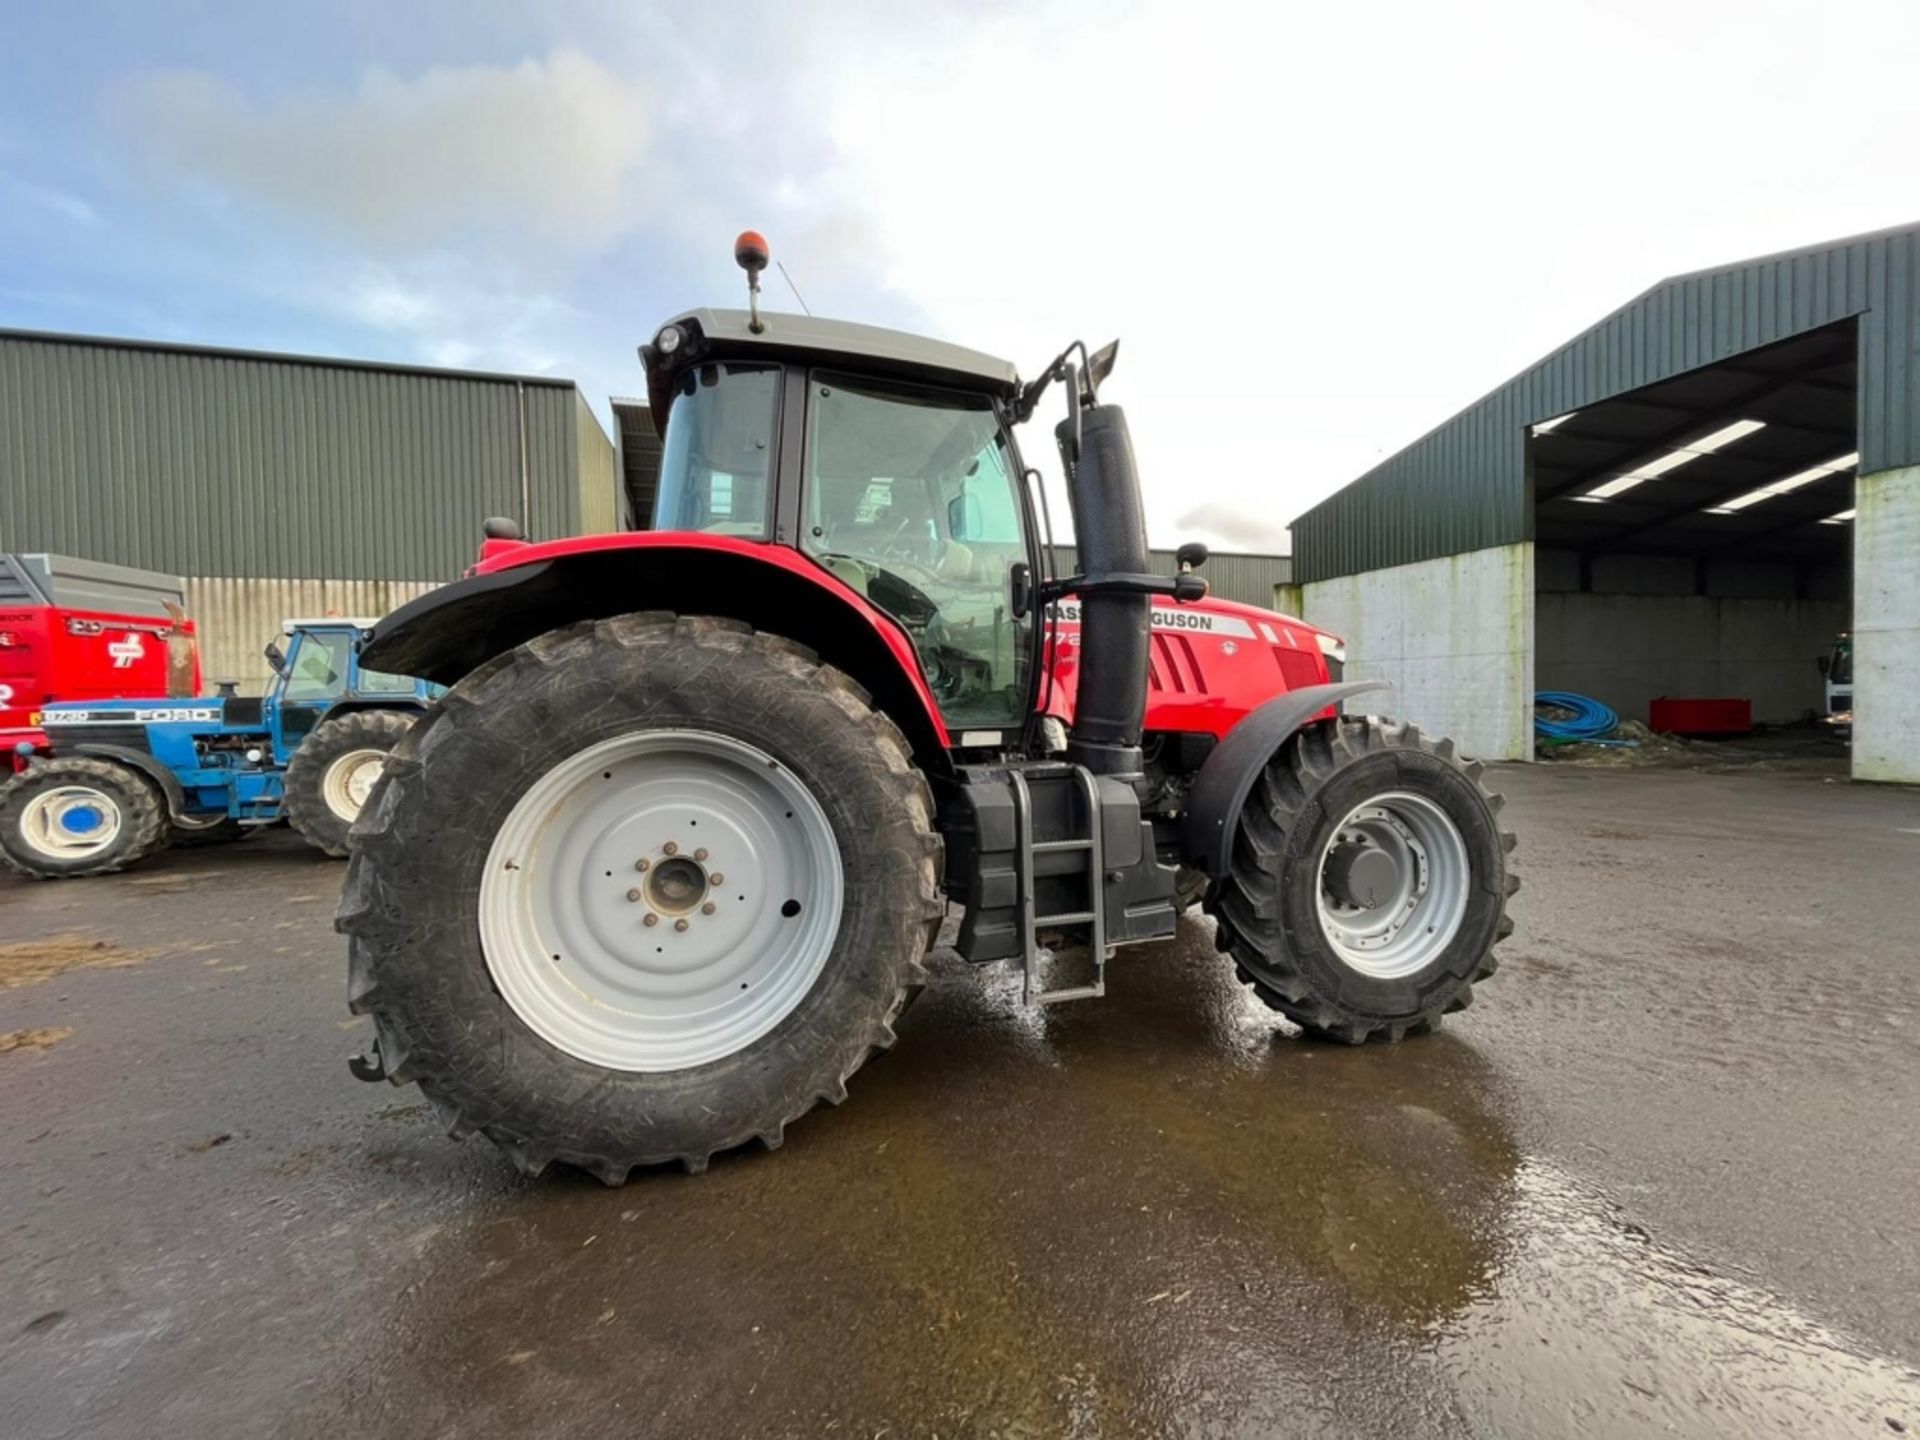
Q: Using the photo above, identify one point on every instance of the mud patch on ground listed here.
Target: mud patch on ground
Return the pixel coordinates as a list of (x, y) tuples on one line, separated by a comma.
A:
[(43, 1039), (180, 878), (28, 962)]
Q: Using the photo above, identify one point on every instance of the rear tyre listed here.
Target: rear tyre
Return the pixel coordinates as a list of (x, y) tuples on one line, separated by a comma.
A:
[(1368, 881), (334, 771), (71, 817), (497, 899)]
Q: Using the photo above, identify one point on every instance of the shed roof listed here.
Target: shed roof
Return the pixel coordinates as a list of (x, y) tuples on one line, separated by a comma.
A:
[(1464, 485), (282, 357)]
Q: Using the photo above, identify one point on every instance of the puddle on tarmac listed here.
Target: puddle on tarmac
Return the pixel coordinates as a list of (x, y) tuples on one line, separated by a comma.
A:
[(1164, 1215), (1592, 1327)]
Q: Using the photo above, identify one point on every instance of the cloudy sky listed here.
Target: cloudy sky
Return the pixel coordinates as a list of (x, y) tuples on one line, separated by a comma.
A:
[(1318, 229)]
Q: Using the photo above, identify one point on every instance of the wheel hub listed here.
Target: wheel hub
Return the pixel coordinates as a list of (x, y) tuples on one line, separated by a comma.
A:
[(70, 822), (349, 780), (677, 886), (1362, 876), (1394, 880)]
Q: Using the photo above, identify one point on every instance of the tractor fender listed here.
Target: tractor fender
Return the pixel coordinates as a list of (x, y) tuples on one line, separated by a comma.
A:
[(446, 634), (1219, 791), (151, 768)]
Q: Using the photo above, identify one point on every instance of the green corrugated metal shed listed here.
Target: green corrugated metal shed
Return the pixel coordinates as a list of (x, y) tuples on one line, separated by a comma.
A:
[(1463, 486), (208, 462)]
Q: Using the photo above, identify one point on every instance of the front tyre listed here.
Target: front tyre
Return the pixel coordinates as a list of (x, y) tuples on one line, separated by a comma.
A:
[(641, 891), (69, 817), (334, 771), (1368, 881)]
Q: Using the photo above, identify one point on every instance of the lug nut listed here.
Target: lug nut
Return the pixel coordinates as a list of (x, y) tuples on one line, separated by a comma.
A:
[(643, 863), (633, 894), (708, 908), (700, 854), (717, 878), (652, 919), (670, 848), (680, 924)]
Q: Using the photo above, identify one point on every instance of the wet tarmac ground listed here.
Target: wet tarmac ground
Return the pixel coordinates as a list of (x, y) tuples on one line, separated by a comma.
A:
[(1662, 1179)]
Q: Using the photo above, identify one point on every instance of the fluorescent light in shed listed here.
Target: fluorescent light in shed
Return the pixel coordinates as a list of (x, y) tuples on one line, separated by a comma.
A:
[(1675, 458), (1792, 482), (1547, 427), (1840, 519)]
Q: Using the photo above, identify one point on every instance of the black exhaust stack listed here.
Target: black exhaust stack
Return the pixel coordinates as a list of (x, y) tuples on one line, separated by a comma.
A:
[(1110, 529)]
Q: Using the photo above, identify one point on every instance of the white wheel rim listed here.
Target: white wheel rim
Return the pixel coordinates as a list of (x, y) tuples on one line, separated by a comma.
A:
[(70, 822), (1419, 907), (349, 780), (746, 903)]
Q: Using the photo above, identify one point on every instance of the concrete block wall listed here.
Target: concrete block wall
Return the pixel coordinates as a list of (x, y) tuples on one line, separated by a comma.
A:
[(1454, 637), (1886, 626), (1628, 649), (1644, 631)]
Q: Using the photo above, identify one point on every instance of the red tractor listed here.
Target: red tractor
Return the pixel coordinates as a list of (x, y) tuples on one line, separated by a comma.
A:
[(660, 871)]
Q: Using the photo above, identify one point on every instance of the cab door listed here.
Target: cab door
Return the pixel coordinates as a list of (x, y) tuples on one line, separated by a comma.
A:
[(311, 681), (913, 497)]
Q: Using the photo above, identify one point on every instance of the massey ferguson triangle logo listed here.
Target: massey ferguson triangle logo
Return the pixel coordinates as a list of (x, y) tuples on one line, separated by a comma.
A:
[(126, 651)]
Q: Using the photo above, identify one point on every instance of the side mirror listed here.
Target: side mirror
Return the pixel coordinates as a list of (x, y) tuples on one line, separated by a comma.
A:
[(500, 527), (1101, 366), (1825, 662), (1190, 556), (276, 657)]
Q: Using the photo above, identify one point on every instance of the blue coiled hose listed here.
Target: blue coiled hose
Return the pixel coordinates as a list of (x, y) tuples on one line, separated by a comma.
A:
[(1589, 723)]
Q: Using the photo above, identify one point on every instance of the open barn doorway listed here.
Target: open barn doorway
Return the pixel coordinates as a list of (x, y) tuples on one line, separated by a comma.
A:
[(1693, 541)]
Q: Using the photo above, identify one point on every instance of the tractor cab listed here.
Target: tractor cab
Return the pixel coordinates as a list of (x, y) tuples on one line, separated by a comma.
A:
[(890, 462), (318, 670)]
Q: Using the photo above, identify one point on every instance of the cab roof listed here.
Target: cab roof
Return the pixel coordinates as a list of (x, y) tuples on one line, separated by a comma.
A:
[(869, 349), (327, 622)]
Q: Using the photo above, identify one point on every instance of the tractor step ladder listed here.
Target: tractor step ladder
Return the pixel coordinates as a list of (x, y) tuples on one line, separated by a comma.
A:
[(1031, 923)]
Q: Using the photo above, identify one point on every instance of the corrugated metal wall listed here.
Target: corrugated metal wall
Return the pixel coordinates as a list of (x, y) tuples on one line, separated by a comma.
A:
[(1250, 579), (638, 446), (236, 618), (224, 463), (1463, 486), (599, 475)]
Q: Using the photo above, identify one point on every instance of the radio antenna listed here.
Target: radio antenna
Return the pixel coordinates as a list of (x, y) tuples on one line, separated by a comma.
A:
[(791, 286)]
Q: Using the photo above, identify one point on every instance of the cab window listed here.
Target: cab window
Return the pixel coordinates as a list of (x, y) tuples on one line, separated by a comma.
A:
[(379, 682), (318, 669), (912, 500), (716, 466)]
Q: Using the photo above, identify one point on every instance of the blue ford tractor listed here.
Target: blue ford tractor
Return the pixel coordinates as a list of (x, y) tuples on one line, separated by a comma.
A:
[(126, 778)]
